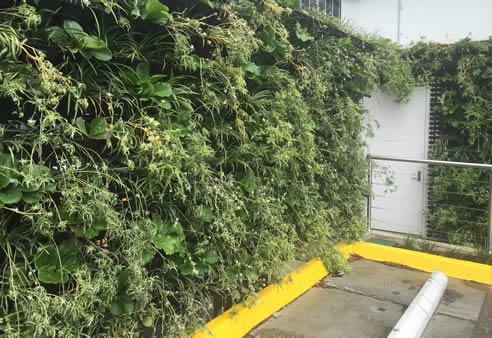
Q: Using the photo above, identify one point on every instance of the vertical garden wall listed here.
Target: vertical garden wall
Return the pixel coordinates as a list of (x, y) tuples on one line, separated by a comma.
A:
[(156, 153), (463, 74)]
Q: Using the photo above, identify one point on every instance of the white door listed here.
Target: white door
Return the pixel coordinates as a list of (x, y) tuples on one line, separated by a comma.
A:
[(402, 132)]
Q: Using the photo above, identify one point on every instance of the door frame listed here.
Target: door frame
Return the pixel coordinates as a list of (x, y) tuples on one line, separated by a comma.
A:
[(425, 188)]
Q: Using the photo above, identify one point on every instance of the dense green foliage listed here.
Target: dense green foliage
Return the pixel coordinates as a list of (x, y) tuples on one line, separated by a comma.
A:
[(464, 72), (207, 142)]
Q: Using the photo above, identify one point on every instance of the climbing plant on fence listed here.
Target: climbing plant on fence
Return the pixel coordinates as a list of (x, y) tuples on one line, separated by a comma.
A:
[(154, 154), (463, 71)]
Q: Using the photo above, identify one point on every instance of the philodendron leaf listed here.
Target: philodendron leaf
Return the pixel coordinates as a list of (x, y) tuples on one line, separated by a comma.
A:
[(11, 196), (56, 262), (302, 33), (98, 126)]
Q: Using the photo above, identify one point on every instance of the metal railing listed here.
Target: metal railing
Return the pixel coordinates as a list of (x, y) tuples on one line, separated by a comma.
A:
[(440, 163)]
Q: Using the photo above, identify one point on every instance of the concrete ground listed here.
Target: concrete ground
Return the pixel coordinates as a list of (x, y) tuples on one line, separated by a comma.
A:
[(371, 299)]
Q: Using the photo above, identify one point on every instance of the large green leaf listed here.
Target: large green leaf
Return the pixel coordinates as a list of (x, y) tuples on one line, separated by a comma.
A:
[(252, 70), (248, 182), (302, 33), (7, 169), (148, 255), (157, 223), (98, 126), (156, 12), (124, 303), (59, 36), (74, 29), (56, 262), (163, 89), (4, 179), (170, 244), (94, 42), (102, 54), (11, 196), (122, 307), (210, 258), (32, 197), (143, 72)]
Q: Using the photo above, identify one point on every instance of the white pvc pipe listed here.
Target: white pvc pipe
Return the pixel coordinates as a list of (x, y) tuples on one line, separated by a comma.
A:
[(414, 321)]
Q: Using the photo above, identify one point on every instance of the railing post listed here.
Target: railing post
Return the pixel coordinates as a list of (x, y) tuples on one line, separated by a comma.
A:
[(490, 212), (369, 199)]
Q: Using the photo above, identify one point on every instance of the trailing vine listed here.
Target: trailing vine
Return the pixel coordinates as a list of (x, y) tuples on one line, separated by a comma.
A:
[(154, 155)]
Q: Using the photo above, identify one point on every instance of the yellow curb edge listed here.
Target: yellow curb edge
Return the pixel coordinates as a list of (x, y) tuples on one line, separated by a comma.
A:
[(466, 270), (240, 319)]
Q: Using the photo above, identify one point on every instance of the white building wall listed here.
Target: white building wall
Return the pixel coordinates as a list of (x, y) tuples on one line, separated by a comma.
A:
[(443, 21)]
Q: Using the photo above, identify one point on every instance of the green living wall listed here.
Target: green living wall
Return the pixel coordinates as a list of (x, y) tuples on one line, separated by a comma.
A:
[(155, 154), (463, 74)]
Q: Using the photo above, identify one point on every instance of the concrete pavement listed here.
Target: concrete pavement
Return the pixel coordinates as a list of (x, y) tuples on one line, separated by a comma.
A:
[(369, 301)]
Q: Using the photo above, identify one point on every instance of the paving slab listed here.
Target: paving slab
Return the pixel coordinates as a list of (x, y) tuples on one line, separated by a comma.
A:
[(369, 301), (484, 326), (329, 313), (442, 326), (461, 299)]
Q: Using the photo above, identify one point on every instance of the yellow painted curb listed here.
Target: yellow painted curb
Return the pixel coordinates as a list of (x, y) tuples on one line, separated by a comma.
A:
[(481, 273), (240, 319)]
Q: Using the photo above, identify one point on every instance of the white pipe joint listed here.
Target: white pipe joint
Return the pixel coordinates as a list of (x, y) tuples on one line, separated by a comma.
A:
[(414, 321)]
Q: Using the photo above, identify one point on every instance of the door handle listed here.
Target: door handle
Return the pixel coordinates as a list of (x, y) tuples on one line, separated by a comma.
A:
[(418, 177)]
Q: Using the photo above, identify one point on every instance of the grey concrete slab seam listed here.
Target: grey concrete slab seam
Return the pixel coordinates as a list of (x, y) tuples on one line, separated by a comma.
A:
[(330, 313), (368, 303), (422, 308), (462, 299), (483, 328)]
